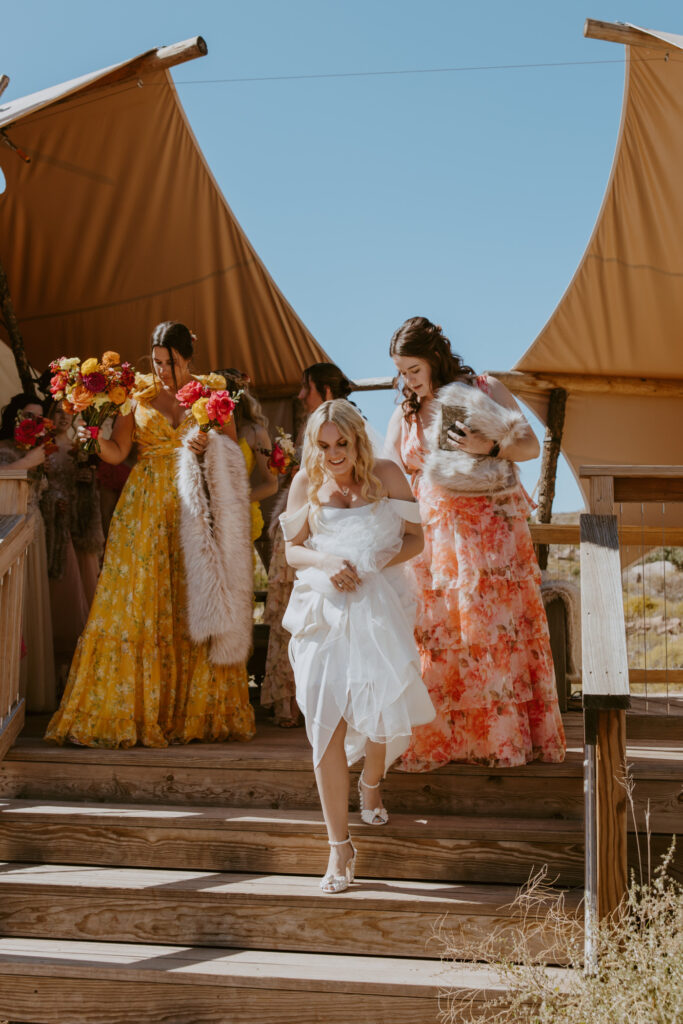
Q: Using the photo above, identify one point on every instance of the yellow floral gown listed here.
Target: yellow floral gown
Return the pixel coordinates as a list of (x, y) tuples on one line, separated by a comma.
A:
[(257, 522), (136, 677)]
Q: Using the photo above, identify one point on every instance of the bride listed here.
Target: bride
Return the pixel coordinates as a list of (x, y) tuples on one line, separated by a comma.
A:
[(350, 522)]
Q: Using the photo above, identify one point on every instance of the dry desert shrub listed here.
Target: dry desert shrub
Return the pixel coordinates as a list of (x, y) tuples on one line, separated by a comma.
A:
[(639, 956)]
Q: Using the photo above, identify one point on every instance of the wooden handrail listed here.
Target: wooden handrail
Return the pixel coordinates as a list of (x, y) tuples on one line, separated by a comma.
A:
[(16, 534), (629, 535), (584, 383)]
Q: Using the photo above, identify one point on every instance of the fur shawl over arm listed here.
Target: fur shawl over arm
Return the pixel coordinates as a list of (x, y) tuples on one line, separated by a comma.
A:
[(459, 471), (215, 532)]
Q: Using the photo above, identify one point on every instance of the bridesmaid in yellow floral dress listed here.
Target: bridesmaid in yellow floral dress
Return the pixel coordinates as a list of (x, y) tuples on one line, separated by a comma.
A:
[(137, 678)]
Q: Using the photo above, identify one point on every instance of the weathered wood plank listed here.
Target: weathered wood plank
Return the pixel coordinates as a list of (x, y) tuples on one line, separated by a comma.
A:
[(629, 536), (634, 472), (605, 661), (11, 726), (449, 848), (614, 32), (390, 917), (58, 1001), (488, 795), (611, 810)]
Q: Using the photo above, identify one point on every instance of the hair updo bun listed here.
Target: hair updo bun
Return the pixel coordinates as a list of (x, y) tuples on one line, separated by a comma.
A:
[(171, 334), (420, 338)]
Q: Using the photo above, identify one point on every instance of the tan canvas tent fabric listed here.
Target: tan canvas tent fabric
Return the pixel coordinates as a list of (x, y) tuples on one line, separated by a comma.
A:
[(622, 314), (117, 223)]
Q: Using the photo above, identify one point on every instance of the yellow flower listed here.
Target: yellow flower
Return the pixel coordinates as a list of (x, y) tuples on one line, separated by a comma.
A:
[(214, 381), (90, 366), (111, 359), (126, 408), (199, 411), (117, 396)]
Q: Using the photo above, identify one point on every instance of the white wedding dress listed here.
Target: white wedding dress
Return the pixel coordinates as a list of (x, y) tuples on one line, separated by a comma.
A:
[(353, 653)]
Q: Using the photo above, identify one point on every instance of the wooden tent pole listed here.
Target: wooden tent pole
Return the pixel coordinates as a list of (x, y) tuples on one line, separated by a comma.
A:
[(16, 341), (552, 444), (613, 32)]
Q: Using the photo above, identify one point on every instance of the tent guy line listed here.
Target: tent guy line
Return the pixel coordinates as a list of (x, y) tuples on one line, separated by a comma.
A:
[(421, 71)]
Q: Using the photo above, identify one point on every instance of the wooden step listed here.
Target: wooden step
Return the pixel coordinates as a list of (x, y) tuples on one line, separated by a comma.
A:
[(274, 771), (281, 912), (448, 848), (55, 982)]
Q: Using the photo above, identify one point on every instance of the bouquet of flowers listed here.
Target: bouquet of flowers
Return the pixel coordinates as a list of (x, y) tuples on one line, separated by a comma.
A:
[(94, 389), (211, 404), (30, 432), (282, 457)]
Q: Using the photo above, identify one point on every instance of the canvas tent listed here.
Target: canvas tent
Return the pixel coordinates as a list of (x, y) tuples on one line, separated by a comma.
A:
[(117, 223), (614, 341)]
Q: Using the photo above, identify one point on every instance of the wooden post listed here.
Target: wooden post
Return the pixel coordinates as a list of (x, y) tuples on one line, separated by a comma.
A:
[(610, 808), (605, 699), (16, 342), (552, 444)]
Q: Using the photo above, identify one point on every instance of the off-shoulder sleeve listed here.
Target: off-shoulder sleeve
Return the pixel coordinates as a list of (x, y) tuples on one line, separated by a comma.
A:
[(292, 523), (408, 510)]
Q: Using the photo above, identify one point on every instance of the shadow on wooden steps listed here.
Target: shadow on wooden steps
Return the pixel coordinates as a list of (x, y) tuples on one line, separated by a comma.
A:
[(439, 847), (115, 984), (389, 916)]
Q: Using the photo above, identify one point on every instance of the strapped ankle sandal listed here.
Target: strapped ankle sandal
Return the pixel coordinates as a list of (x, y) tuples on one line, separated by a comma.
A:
[(378, 816), (339, 883)]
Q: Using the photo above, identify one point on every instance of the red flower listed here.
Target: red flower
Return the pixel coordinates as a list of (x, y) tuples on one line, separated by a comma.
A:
[(26, 432), (126, 375), (191, 392), (95, 382), (278, 459), (220, 407)]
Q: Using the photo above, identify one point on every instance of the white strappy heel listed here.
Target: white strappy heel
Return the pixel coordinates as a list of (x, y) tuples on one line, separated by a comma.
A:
[(378, 816), (339, 883)]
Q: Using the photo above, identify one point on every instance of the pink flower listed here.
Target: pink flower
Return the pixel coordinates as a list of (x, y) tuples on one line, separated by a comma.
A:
[(220, 407), (191, 393)]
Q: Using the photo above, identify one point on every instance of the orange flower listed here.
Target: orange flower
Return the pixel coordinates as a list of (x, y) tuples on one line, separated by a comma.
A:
[(81, 398), (117, 395), (111, 359)]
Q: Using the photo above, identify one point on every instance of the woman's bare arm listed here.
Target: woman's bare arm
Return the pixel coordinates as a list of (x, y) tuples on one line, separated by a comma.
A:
[(396, 486), (118, 447)]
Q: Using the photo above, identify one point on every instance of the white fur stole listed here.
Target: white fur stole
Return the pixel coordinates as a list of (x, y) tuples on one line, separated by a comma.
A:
[(457, 470), (215, 532)]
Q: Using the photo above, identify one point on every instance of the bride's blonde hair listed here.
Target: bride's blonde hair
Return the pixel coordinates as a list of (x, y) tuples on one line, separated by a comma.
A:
[(351, 426)]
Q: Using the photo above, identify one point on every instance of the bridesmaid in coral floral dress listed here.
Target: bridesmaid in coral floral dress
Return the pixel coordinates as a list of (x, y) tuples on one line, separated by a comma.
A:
[(481, 627)]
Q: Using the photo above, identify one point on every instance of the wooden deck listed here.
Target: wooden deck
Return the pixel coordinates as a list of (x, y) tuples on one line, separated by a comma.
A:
[(181, 885)]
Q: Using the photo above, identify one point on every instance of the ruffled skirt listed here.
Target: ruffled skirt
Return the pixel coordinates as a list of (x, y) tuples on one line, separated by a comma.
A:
[(482, 635), (353, 654)]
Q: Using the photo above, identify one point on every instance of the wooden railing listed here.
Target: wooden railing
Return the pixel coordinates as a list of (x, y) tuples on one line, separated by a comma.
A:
[(16, 534), (606, 676)]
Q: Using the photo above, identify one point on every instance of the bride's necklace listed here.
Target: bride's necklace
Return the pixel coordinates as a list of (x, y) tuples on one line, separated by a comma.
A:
[(345, 490)]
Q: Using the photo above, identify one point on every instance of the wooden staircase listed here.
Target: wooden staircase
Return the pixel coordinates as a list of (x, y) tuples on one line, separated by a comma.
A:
[(181, 885)]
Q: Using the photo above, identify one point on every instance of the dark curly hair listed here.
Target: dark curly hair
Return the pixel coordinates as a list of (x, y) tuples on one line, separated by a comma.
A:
[(15, 405), (419, 337)]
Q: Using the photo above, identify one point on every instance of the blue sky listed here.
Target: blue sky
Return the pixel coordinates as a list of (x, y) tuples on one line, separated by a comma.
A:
[(467, 196)]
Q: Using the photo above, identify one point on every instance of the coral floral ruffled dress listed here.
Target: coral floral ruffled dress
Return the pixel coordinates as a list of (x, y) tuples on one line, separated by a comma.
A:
[(481, 629), (137, 678)]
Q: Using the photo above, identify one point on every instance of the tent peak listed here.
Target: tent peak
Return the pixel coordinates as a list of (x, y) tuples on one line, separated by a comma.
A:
[(629, 35)]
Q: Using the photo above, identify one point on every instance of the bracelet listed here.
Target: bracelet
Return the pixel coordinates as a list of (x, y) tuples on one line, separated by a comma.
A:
[(495, 449)]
